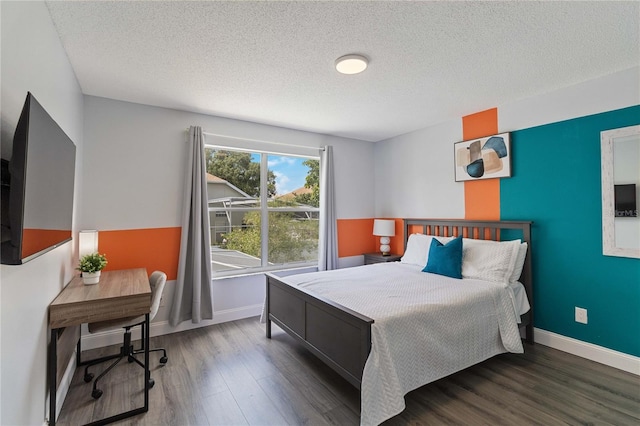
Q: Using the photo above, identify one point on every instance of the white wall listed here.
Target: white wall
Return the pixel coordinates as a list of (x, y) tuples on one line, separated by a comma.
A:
[(607, 93), (414, 172), (33, 60), (135, 154), (134, 160)]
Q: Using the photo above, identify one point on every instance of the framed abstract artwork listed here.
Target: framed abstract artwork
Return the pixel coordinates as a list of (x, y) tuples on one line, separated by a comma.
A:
[(483, 158)]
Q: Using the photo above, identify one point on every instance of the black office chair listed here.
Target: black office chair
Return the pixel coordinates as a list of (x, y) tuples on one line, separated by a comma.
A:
[(157, 280)]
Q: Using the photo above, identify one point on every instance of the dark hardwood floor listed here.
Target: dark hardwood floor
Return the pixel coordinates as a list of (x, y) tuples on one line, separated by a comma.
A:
[(230, 374)]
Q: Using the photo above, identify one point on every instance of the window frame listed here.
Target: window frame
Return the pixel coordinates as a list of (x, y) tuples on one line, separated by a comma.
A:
[(264, 210)]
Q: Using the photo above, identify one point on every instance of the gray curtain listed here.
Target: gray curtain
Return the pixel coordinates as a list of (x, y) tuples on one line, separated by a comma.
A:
[(328, 238), (193, 298)]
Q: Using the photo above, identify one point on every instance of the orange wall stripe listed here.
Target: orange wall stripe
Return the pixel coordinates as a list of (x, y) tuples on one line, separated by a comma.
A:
[(34, 240), (481, 197), (355, 237), (156, 249), (480, 124), (397, 242)]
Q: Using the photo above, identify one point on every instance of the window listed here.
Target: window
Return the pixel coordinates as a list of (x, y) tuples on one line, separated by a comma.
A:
[(263, 210)]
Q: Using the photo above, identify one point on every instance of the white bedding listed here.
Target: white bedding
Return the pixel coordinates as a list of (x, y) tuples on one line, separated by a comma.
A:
[(426, 326)]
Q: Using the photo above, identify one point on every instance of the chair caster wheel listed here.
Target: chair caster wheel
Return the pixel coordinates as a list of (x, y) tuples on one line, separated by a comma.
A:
[(151, 383), (97, 393), (130, 359), (164, 360), (88, 377)]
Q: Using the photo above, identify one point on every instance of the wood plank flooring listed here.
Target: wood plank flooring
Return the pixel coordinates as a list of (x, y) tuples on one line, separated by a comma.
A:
[(231, 374)]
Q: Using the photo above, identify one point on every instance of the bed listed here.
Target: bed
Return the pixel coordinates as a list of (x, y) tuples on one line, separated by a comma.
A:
[(416, 337)]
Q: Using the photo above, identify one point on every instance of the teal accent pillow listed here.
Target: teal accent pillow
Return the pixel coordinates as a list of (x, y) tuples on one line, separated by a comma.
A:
[(445, 259)]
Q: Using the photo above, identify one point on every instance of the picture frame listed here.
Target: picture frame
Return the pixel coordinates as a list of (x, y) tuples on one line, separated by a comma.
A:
[(488, 157)]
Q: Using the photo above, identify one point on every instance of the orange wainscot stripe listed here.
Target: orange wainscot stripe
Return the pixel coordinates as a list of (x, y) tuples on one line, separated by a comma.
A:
[(34, 240), (355, 237), (397, 242), (156, 249), (481, 197)]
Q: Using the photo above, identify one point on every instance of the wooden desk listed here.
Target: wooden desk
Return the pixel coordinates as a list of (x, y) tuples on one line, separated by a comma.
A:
[(119, 294)]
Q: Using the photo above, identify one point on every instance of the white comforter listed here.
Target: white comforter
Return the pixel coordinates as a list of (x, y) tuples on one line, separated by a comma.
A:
[(426, 326)]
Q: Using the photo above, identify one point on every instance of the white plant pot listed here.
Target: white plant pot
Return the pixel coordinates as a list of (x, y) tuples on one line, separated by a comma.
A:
[(91, 277)]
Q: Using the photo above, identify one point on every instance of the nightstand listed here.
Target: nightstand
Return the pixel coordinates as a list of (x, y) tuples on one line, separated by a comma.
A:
[(370, 258)]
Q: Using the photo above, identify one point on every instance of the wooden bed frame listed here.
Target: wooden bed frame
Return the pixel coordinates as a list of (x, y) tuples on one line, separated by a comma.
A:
[(341, 337)]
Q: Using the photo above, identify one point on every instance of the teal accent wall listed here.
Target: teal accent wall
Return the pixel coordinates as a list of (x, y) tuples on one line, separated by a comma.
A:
[(556, 183)]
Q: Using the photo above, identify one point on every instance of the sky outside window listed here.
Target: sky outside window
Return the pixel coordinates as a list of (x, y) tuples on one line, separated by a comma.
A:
[(289, 171)]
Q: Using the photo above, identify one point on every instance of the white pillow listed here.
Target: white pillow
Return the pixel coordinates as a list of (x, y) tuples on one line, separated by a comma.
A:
[(489, 260), (517, 270), (417, 251)]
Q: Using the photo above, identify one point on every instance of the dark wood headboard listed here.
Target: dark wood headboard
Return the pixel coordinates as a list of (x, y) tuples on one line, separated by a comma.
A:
[(484, 230)]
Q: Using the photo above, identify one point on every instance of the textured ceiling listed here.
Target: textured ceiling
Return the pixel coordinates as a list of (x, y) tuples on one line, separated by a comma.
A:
[(273, 62)]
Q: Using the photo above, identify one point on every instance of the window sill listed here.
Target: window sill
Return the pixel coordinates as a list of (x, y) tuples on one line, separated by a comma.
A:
[(275, 269)]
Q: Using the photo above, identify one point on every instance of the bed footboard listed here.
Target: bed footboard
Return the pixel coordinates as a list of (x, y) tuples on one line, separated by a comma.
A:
[(337, 335)]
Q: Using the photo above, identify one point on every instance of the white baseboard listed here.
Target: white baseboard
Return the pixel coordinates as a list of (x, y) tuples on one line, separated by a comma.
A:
[(114, 337), (619, 360)]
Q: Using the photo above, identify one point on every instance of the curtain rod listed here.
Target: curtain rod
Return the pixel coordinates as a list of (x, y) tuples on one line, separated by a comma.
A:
[(261, 141)]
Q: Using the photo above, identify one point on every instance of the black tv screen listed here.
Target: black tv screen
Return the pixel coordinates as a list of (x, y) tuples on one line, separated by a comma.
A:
[(625, 200), (37, 187)]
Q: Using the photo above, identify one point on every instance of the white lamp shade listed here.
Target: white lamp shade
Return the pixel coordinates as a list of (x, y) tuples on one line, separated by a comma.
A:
[(384, 227), (87, 242)]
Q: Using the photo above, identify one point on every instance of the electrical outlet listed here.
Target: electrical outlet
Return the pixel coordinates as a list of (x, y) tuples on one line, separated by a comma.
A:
[(581, 315)]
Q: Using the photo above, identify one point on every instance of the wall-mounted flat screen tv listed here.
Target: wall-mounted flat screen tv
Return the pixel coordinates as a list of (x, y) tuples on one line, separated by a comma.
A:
[(37, 187), (625, 200)]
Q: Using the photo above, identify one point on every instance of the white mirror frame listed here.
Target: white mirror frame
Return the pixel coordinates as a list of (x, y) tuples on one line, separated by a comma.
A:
[(608, 209)]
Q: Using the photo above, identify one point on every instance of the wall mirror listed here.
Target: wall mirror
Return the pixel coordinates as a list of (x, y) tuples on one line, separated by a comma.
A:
[(620, 150)]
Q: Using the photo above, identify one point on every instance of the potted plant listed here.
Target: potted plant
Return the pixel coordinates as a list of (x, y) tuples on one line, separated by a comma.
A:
[(90, 266)]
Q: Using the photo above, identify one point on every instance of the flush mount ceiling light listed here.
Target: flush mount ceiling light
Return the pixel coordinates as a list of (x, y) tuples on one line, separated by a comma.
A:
[(351, 64)]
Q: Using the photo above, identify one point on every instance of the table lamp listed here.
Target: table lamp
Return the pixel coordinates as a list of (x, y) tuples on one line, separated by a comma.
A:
[(87, 242), (384, 228)]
